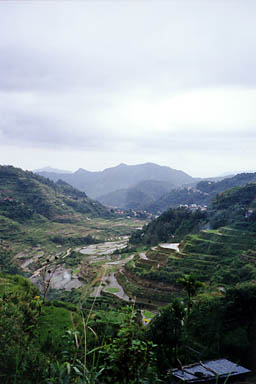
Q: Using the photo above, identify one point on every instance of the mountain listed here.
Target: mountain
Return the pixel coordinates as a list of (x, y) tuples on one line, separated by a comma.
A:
[(174, 223), (217, 246), (234, 173), (236, 181), (202, 193), (137, 197), (50, 169), (235, 207), (25, 195), (123, 176), (177, 197)]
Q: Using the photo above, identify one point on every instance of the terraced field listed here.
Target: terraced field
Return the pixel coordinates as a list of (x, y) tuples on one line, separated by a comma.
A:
[(220, 258)]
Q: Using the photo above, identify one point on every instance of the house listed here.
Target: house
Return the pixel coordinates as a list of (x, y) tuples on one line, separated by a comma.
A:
[(207, 372)]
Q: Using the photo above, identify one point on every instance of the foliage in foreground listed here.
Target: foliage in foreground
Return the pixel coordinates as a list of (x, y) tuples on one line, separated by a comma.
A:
[(44, 343)]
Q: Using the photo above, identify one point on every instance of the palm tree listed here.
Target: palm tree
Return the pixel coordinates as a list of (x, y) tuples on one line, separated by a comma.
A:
[(191, 285)]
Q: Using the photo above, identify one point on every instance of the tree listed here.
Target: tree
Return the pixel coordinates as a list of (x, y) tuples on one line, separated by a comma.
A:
[(167, 331), (191, 285), (128, 358)]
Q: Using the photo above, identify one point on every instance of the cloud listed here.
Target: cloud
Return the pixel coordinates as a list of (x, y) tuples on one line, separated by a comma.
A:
[(142, 81), (161, 46), (200, 119)]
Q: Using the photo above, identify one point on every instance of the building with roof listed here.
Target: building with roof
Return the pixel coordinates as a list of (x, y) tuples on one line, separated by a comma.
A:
[(207, 372)]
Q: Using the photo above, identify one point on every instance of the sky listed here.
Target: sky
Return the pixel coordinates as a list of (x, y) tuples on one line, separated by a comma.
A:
[(92, 84)]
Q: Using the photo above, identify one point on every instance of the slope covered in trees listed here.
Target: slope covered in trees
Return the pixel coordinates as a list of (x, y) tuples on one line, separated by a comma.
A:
[(236, 207), (202, 193), (174, 223), (208, 289), (23, 195)]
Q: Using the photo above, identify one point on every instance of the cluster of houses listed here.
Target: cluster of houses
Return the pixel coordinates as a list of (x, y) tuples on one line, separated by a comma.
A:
[(9, 199), (193, 189), (194, 207), (140, 214)]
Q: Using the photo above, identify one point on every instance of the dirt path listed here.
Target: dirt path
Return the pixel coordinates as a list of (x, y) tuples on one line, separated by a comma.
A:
[(174, 246), (109, 280), (67, 253)]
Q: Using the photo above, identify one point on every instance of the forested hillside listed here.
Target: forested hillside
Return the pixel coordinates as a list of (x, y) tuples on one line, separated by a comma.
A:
[(201, 194), (183, 302), (236, 207), (23, 195), (174, 223)]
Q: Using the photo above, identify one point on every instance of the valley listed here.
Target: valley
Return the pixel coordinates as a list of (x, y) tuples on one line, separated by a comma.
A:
[(127, 257), (76, 266)]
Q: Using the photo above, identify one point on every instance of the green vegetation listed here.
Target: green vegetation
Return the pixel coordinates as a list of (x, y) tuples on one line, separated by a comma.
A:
[(78, 240), (24, 195), (112, 290), (201, 194), (65, 344), (96, 343), (201, 299), (148, 314), (173, 224), (219, 258), (177, 197)]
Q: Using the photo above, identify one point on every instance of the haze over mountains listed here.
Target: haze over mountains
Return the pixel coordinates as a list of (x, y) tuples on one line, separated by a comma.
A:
[(50, 169), (123, 176), (147, 186), (137, 197)]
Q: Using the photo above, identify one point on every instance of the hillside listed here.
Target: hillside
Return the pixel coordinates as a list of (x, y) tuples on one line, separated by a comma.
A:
[(23, 195), (137, 197), (72, 255), (123, 176), (50, 169), (202, 193), (236, 207), (221, 256), (41, 220), (177, 197), (172, 224)]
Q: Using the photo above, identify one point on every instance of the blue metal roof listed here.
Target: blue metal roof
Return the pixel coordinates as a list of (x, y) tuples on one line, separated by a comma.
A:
[(207, 371)]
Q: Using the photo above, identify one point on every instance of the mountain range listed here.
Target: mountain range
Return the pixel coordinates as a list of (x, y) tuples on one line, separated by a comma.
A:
[(201, 193), (148, 186), (97, 184)]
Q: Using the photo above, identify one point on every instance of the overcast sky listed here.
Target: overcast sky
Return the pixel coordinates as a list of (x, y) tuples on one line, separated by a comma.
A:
[(91, 84)]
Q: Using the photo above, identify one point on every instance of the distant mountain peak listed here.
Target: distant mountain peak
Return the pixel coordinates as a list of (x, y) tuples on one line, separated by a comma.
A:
[(50, 169), (122, 176)]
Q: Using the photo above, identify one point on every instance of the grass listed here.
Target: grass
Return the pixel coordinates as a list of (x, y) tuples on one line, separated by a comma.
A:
[(212, 256), (54, 322), (34, 237), (112, 290), (101, 262)]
